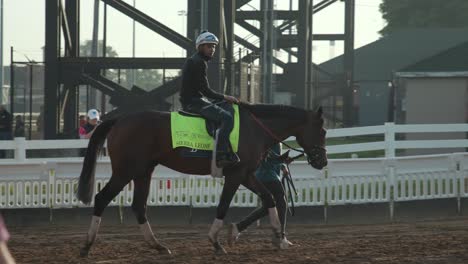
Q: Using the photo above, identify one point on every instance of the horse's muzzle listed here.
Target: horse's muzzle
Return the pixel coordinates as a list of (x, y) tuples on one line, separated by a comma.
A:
[(317, 158)]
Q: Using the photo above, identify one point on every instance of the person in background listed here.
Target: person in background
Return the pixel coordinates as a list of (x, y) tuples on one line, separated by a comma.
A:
[(82, 120), (19, 126), (5, 255), (5, 127), (86, 130), (40, 122)]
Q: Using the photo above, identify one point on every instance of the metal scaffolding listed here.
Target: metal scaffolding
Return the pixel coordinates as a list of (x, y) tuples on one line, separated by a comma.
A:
[(63, 74)]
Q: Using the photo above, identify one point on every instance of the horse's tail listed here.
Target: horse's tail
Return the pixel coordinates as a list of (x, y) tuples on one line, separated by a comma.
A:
[(86, 183)]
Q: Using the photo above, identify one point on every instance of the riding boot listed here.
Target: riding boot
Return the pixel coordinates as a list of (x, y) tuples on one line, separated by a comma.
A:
[(224, 154), (226, 158)]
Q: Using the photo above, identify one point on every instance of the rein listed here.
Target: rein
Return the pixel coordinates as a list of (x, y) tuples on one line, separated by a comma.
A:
[(275, 137), (286, 180), (271, 134)]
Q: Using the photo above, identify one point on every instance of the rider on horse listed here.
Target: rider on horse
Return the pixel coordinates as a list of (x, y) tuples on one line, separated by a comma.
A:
[(196, 92)]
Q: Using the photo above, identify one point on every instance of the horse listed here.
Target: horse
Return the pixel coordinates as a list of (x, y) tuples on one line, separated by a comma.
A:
[(139, 142)]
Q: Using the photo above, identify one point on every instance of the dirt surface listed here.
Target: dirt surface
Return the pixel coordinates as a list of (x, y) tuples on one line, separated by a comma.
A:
[(422, 242)]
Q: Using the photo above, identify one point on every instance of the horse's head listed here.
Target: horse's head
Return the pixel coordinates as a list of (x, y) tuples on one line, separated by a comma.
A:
[(312, 139)]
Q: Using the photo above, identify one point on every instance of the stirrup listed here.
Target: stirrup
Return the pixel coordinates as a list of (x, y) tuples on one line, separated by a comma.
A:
[(224, 159)]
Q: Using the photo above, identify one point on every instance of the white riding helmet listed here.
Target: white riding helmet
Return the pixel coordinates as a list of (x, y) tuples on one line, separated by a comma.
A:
[(206, 37), (93, 114)]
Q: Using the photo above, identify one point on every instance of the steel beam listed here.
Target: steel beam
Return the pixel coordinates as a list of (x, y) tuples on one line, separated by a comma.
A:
[(252, 29), (239, 3), (256, 50), (91, 64), (348, 94), (193, 22), (51, 55), (150, 23), (71, 16), (259, 15), (216, 67), (303, 93), (322, 5), (266, 48), (229, 20)]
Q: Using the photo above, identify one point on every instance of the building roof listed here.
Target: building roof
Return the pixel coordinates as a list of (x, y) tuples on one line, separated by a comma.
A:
[(406, 50), (452, 60)]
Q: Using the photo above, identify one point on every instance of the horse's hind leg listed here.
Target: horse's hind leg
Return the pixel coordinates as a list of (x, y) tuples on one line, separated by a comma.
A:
[(101, 200), (140, 196), (230, 187)]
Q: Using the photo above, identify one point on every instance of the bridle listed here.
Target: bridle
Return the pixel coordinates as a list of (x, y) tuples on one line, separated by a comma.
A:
[(287, 180), (314, 153)]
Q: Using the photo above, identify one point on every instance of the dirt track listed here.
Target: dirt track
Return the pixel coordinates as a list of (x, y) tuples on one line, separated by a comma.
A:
[(423, 242)]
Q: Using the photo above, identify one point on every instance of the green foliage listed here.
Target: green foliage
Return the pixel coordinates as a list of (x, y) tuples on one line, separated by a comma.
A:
[(401, 14), (86, 49), (147, 79)]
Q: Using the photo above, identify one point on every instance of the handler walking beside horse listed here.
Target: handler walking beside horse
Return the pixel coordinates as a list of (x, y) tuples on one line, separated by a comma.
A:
[(268, 173)]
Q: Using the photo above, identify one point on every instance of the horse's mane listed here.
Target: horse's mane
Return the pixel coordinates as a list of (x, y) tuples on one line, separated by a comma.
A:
[(271, 111)]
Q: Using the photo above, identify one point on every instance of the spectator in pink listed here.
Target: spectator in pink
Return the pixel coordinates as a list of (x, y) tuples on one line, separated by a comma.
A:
[(86, 130), (5, 256)]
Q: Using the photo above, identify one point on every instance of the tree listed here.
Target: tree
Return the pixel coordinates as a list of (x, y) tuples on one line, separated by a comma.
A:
[(401, 14), (86, 48), (145, 79)]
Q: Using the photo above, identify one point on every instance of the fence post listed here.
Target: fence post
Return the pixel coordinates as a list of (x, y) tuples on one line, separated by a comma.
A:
[(325, 191), (51, 168), (390, 168), (456, 165), (389, 140), (189, 180), (20, 150)]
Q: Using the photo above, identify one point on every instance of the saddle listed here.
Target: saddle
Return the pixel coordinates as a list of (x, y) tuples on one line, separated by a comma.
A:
[(194, 135), (211, 126)]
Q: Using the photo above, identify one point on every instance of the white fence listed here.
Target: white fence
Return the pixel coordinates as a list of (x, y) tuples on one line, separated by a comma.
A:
[(46, 184), (51, 183), (390, 144)]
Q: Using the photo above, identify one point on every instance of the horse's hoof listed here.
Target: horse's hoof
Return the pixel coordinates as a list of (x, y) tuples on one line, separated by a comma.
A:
[(284, 244), (219, 249), (164, 250), (84, 252), (276, 241), (233, 234)]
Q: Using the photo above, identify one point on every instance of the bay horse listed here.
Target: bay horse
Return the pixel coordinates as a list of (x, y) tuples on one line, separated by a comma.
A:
[(139, 142)]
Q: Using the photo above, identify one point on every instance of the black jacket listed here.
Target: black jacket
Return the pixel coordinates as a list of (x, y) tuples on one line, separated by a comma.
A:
[(194, 80)]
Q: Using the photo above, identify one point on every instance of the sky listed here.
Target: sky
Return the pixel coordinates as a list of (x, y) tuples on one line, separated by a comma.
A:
[(24, 27)]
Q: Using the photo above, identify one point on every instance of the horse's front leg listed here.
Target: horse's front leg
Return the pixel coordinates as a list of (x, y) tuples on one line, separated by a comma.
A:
[(231, 185)]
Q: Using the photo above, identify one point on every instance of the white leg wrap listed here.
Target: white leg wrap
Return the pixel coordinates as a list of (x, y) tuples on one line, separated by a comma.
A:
[(214, 230), (147, 232), (93, 228), (274, 219), (235, 231)]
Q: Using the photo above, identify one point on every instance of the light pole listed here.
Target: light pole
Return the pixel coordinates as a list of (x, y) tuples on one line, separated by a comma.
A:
[(183, 14)]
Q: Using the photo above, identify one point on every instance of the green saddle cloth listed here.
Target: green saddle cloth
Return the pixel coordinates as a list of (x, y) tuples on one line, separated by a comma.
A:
[(191, 132)]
